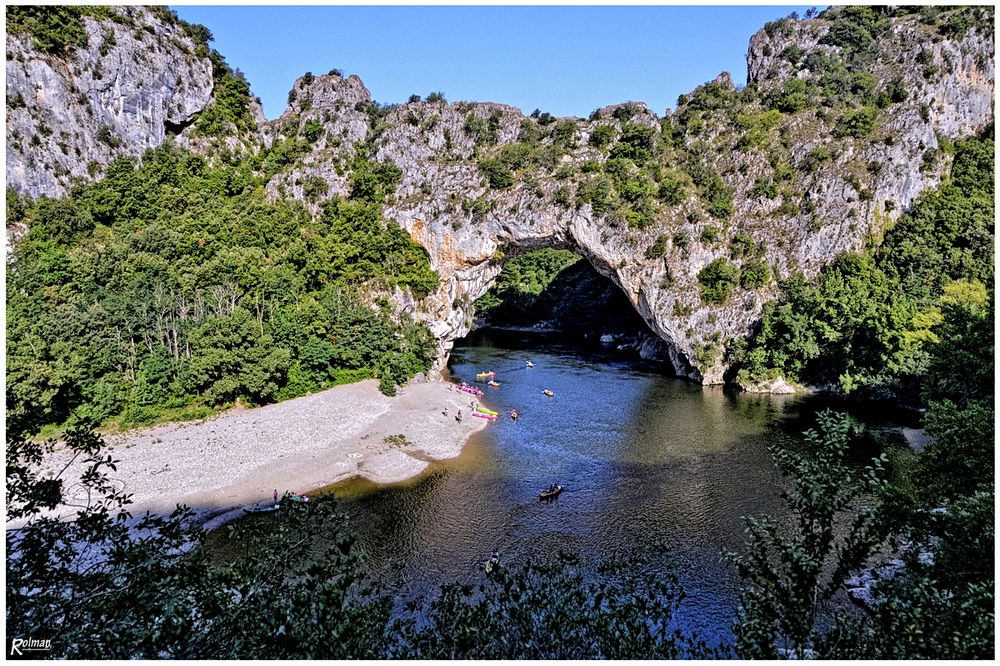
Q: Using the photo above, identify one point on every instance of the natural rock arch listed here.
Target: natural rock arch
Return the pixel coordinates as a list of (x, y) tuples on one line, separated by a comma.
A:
[(843, 185), (468, 281)]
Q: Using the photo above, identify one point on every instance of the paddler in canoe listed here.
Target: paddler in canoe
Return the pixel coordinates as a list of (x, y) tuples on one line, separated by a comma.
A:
[(494, 383), (552, 491), (548, 392)]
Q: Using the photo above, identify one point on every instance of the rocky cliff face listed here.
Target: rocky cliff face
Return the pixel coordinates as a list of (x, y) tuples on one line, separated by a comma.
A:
[(811, 159), (135, 80)]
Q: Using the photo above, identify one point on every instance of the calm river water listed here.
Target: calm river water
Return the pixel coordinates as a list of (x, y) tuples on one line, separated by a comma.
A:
[(644, 458)]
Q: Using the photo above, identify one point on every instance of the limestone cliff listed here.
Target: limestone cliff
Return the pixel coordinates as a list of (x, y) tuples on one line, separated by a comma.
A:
[(805, 183), (135, 78), (695, 215)]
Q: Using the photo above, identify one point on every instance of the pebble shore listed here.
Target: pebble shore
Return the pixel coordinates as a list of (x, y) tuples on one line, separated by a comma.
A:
[(240, 457)]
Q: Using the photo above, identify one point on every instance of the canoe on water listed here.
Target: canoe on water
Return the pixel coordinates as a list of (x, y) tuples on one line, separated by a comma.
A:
[(485, 374), (494, 384), (549, 494), (548, 393)]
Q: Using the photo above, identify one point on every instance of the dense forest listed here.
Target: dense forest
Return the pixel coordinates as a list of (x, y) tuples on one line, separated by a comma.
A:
[(172, 287)]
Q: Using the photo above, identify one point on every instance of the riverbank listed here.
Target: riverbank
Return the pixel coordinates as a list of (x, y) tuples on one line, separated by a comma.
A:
[(218, 465)]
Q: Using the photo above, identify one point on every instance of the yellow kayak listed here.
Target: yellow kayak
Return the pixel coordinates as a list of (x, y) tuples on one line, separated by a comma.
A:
[(483, 410)]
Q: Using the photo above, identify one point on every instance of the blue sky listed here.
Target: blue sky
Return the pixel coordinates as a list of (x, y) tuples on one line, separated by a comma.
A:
[(565, 60)]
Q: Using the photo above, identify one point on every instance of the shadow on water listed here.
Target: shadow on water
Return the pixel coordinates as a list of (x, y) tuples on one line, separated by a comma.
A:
[(645, 458)]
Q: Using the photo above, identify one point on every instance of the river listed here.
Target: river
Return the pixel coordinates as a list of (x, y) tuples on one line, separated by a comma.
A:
[(644, 457)]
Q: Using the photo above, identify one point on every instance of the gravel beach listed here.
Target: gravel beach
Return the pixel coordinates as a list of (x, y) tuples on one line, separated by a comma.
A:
[(240, 457)]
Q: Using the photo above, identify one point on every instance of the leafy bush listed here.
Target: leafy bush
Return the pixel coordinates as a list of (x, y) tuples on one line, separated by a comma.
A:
[(601, 135), (857, 124), (659, 248), (718, 198), (596, 192), (312, 130), (672, 191), (498, 174), (636, 143), (793, 97), (563, 133), (717, 281), (742, 245), (754, 274), (763, 189), (710, 234), (229, 109)]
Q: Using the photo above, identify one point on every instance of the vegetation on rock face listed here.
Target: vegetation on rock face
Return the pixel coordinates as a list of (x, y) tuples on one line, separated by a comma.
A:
[(875, 320), (913, 318), (175, 286), (53, 29), (717, 280), (58, 29), (229, 109)]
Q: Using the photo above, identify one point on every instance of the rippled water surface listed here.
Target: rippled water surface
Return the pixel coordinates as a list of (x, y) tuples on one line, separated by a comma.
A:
[(644, 458)]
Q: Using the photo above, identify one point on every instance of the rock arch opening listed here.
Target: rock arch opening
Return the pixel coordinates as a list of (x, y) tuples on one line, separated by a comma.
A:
[(554, 290)]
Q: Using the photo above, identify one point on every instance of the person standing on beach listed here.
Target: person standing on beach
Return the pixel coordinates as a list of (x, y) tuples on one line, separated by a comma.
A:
[(275, 495)]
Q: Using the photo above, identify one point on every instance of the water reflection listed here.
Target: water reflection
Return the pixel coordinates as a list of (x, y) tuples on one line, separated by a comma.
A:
[(644, 457)]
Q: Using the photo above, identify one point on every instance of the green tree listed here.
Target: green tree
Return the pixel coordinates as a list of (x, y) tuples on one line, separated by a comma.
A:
[(717, 281), (788, 577)]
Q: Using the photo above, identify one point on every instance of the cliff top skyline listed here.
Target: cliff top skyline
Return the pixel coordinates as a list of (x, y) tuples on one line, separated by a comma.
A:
[(563, 60)]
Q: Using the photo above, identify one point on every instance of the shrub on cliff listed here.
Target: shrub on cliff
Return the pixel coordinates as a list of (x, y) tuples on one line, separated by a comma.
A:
[(717, 281), (498, 174), (601, 135), (53, 28)]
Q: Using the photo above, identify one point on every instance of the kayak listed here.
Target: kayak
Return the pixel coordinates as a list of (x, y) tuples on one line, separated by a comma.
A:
[(493, 384), (489, 417), (513, 415), (471, 390), (530, 364), (548, 393), (549, 494), (483, 410), (485, 374), (261, 508)]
